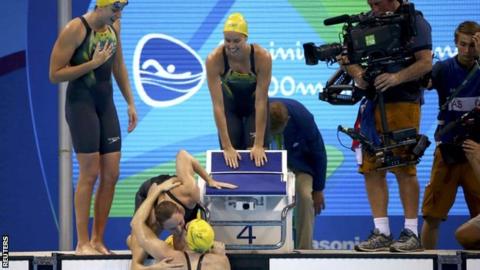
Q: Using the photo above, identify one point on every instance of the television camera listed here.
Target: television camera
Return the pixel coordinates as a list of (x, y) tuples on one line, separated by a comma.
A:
[(470, 129), (470, 122), (374, 42)]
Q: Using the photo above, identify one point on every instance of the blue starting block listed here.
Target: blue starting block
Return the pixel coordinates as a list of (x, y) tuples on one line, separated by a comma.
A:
[(257, 215)]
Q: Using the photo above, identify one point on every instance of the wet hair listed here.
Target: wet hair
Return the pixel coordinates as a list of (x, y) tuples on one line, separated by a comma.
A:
[(278, 115), (164, 211), (467, 28)]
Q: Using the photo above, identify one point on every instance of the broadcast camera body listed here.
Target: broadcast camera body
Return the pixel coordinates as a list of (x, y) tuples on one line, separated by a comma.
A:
[(470, 121), (367, 37), (453, 153), (374, 42), (371, 41)]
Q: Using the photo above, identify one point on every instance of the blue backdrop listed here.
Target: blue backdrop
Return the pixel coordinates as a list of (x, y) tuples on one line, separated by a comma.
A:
[(165, 44)]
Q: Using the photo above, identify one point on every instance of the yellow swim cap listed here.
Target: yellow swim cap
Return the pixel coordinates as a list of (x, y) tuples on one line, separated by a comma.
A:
[(236, 23), (104, 3), (200, 235)]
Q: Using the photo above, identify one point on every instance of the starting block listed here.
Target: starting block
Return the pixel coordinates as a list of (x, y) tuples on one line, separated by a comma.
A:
[(256, 215)]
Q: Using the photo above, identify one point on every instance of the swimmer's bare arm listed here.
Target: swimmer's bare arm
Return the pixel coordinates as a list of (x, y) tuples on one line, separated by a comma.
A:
[(264, 75), (187, 166), (147, 239), (214, 67), (68, 41), (139, 256), (121, 77)]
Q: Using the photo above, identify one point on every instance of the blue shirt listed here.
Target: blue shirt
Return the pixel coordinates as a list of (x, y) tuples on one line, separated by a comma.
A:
[(304, 143), (410, 91), (447, 75)]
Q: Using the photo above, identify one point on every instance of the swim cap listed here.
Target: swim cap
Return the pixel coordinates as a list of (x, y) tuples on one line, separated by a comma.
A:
[(236, 23), (104, 3), (200, 235)]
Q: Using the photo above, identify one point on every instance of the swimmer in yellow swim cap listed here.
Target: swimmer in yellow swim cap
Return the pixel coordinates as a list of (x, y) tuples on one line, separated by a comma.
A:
[(239, 75)]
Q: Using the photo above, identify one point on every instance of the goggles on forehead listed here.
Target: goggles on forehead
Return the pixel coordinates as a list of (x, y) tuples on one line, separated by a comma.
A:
[(119, 5)]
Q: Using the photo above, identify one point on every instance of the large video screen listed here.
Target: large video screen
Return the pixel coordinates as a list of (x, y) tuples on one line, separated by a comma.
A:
[(165, 44)]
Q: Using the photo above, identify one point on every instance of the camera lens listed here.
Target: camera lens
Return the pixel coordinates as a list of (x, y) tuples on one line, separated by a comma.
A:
[(246, 206)]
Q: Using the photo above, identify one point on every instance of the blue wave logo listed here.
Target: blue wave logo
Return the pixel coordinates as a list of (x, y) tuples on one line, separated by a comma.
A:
[(166, 71)]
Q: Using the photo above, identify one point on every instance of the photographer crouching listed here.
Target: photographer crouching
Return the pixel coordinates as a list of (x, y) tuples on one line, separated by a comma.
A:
[(399, 85), (468, 234), (457, 156)]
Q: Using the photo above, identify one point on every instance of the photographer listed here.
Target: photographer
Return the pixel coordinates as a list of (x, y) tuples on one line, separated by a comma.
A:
[(457, 81), (401, 93), (468, 235)]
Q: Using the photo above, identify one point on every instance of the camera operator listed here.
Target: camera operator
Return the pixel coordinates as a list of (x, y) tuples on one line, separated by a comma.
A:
[(457, 81), (401, 91), (468, 235)]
